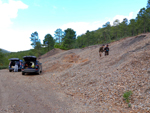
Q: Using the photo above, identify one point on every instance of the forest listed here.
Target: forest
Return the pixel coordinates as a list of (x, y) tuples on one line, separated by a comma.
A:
[(67, 39)]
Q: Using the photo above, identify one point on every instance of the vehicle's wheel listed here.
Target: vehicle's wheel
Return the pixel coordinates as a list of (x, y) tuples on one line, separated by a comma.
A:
[(23, 73), (39, 72), (9, 70)]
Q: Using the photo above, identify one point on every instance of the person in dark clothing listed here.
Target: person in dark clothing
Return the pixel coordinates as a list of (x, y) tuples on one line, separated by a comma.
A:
[(101, 50), (106, 49)]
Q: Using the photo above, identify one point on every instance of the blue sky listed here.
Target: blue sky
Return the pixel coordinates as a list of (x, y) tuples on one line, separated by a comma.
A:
[(20, 18)]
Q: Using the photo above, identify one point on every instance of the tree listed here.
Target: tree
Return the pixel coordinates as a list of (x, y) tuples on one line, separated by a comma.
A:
[(125, 25), (38, 45), (87, 37), (148, 4), (132, 26), (34, 38), (148, 19), (107, 24), (116, 27), (59, 34), (106, 31), (142, 20), (49, 42), (116, 22), (80, 42), (38, 48), (69, 39)]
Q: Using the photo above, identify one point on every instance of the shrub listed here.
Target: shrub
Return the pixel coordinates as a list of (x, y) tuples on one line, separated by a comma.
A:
[(3, 67), (126, 96), (57, 46)]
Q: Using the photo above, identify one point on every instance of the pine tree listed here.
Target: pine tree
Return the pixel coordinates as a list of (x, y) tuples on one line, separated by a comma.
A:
[(148, 4), (49, 42)]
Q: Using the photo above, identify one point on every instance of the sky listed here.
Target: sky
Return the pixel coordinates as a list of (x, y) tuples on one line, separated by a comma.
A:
[(20, 18)]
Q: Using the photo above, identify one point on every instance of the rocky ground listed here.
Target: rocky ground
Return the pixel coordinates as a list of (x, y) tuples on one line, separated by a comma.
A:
[(98, 84)]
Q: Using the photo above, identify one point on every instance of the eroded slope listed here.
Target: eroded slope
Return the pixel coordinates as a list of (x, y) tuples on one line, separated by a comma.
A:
[(97, 84)]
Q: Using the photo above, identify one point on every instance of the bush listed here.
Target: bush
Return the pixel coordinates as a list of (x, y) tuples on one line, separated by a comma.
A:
[(126, 96), (57, 46), (60, 47), (3, 67)]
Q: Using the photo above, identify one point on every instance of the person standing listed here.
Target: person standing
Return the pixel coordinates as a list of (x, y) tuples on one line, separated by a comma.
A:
[(101, 50), (16, 67), (106, 49)]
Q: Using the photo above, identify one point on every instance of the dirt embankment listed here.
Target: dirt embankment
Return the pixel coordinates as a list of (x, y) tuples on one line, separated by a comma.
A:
[(97, 84)]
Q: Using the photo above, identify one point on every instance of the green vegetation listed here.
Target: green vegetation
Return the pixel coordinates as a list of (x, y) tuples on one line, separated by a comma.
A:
[(67, 39), (59, 34), (3, 67), (34, 39), (126, 96), (2, 60), (48, 42)]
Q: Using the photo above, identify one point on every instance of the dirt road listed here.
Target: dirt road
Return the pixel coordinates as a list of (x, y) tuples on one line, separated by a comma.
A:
[(30, 94)]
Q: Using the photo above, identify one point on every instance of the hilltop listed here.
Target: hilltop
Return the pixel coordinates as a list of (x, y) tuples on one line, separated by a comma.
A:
[(97, 84)]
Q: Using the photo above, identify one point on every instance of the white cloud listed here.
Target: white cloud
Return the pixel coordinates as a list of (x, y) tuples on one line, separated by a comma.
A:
[(8, 36), (82, 27), (121, 17), (8, 11), (14, 41)]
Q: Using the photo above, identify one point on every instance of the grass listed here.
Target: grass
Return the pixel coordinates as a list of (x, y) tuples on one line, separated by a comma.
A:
[(126, 96), (3, 67)]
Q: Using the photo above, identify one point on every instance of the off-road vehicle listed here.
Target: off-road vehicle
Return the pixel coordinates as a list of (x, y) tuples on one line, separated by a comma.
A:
[(31, 65), (12, 63)]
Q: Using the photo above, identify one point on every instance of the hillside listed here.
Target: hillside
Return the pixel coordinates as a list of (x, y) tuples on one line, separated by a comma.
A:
[(5, 51), (97, 84)]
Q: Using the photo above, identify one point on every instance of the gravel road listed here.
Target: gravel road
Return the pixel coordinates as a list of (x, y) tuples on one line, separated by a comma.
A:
[(30, 94)]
